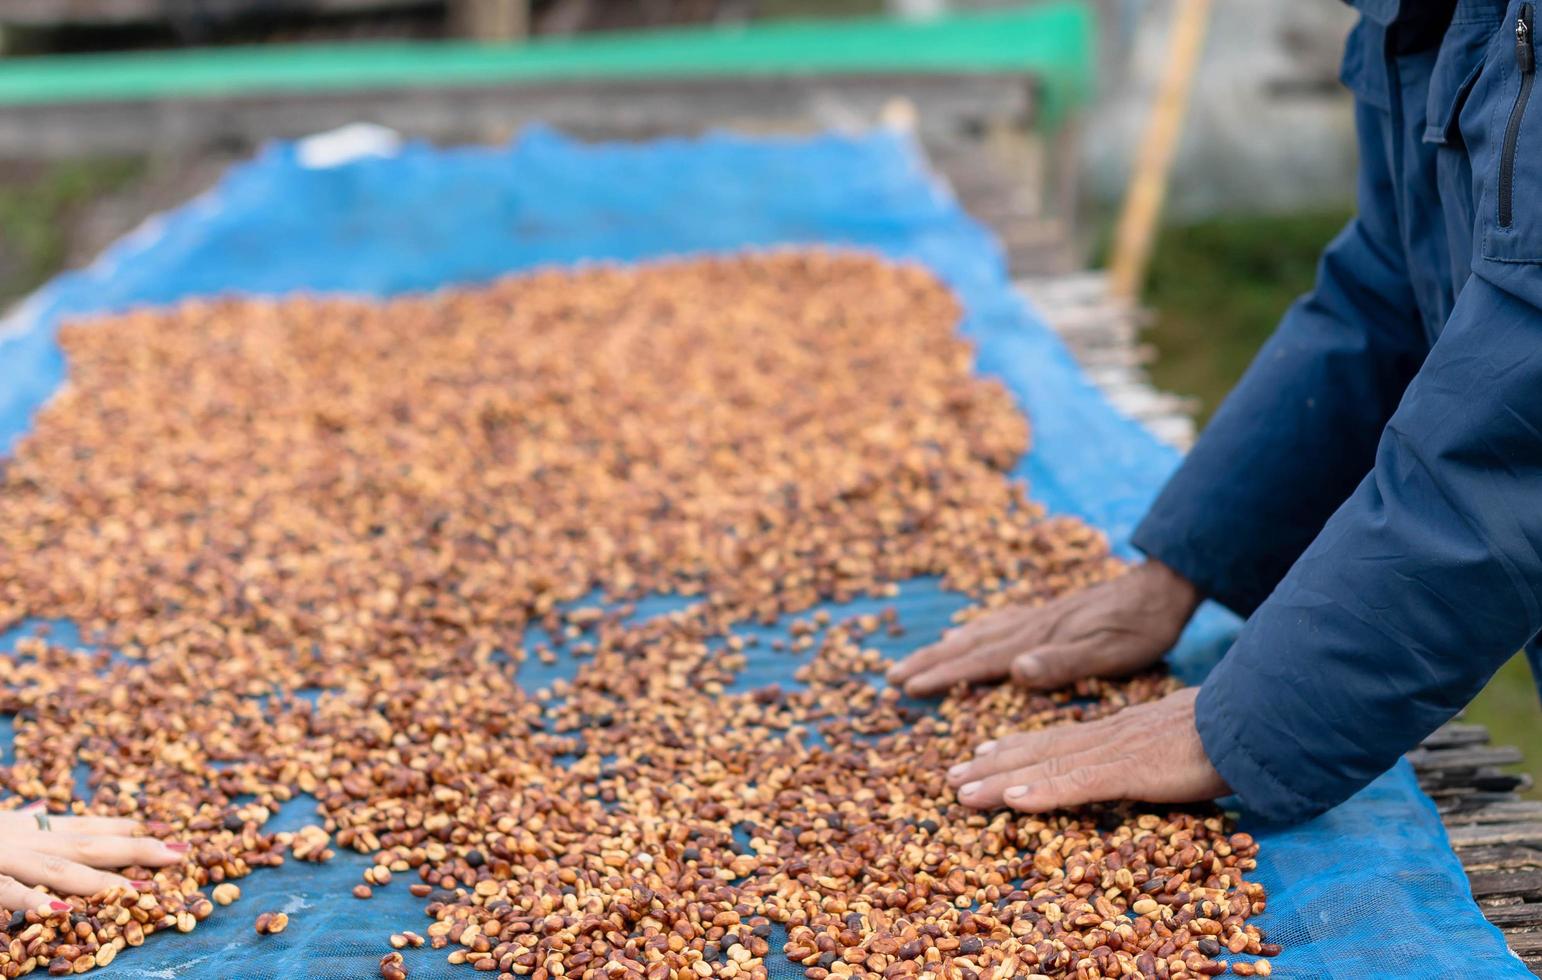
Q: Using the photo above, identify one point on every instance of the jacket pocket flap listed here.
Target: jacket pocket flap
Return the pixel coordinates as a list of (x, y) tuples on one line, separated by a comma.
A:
[(1445, 106), (1364, 70)]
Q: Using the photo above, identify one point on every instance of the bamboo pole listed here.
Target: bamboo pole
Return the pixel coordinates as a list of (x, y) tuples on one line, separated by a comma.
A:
[(493, 21), (1147, 192)]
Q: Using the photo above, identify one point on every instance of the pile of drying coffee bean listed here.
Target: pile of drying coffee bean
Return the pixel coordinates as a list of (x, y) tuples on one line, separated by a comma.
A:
[(408, 505)]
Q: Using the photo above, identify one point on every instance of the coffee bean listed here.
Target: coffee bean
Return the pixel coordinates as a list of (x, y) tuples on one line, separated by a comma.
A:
[(331, 538)]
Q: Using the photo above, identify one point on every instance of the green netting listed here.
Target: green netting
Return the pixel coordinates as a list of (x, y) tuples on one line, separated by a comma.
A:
[(1052, 41)]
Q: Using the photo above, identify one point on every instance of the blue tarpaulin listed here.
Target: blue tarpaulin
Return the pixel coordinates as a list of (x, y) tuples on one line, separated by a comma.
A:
[(1370, 889)]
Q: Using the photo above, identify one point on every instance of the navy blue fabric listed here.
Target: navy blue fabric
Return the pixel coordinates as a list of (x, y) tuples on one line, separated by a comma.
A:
[(1371, 493)]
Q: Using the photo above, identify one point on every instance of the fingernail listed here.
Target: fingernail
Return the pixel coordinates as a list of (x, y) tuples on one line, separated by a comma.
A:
[(140, 886), (180, 847), (1016, 792), (1027, 669), (157, 828), (969, 789), (958, 770), (984, 747), (59, 906)]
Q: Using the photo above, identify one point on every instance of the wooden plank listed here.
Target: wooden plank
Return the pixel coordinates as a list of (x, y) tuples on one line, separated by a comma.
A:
[(1525, 943), (65, 13), (1528, 833), (1526, 915), (1454, 734), (52, 13), (1526, 883), (1463, 783), (1473, 800), (1455, 790), (1471, 757), (1508, 857), (1498, 811), (1103, 333)]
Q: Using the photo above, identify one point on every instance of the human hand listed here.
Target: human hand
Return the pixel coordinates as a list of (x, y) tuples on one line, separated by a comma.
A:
[(57, 856), (1115, 627), (1149, 752)]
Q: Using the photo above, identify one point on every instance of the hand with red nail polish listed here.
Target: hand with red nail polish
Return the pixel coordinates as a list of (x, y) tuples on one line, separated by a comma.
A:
[(70, 856), (1149, 752)]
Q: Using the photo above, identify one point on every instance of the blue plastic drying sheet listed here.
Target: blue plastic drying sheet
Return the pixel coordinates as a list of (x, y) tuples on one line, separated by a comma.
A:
[(1371, 889)]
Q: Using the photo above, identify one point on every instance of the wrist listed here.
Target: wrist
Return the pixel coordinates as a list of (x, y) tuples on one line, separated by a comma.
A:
[(1174, 591)]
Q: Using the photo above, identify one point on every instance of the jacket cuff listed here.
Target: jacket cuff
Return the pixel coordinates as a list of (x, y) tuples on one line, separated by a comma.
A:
[(1258, 775), (1167, 540)]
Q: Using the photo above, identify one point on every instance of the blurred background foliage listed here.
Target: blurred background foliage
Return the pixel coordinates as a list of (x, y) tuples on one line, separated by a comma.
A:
[(43, 209)]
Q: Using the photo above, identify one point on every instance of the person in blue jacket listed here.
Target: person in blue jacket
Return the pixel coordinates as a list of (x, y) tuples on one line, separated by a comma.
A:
[(1370, 495)]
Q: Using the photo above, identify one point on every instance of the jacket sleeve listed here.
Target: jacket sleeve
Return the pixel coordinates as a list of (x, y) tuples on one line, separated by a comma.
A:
[(1300, 429), (1418, 588)]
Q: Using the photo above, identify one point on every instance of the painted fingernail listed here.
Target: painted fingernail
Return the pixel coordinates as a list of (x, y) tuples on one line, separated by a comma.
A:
[(180, 847), (59, 906), (984, 747), (1016, 792), (969, 789)]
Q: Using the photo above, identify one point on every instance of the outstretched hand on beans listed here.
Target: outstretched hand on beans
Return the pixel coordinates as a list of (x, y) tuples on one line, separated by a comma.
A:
[(1149, 752), (42, 860)]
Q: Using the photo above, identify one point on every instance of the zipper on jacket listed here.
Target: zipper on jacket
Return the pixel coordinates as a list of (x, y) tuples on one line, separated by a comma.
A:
[(1526, 64)]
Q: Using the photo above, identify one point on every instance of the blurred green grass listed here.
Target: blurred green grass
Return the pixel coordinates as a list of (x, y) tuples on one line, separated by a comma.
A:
[(39, 207), (1218, 287)]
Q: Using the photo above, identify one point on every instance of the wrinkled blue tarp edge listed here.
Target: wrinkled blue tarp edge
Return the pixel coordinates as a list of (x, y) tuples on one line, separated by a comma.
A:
[(870, 192)]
